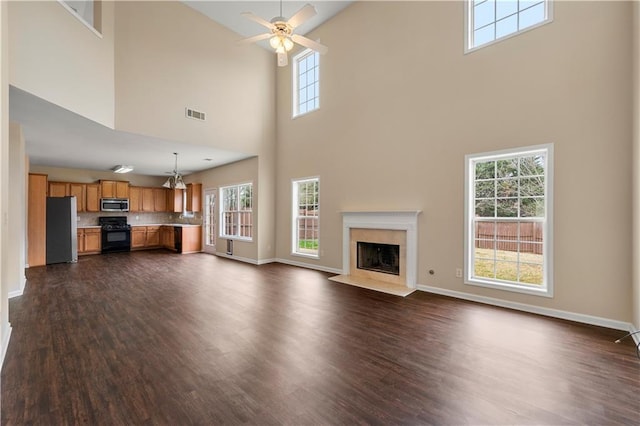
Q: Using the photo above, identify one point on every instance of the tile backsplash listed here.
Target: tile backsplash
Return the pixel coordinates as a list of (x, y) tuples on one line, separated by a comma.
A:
[(140, 218)]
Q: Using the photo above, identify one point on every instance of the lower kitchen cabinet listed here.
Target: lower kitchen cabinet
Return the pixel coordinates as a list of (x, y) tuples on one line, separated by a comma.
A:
[(167, 239), (89, 241), (145, 237)]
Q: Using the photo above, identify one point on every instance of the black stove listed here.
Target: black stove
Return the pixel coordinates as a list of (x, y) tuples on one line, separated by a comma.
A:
[(116, 234)]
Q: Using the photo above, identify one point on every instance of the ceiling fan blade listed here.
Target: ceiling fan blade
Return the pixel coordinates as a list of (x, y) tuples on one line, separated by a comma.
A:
[(307, 42), (302, 15), (256, 18), (283, 60), (255, 38)]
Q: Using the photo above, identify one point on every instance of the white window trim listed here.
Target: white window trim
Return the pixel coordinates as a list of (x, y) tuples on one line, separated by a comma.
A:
[(294, 215), (221, 213), (80, 18), (294, 68), (547, 288), (468, 33)]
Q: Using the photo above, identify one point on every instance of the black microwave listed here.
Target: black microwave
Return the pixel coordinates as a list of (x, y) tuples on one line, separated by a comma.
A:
[(114, 204)]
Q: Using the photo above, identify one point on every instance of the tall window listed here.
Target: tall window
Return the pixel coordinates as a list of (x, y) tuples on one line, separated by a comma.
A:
[(236, 212), (306, 217), (306, 84), (492, 20), (508, 238)]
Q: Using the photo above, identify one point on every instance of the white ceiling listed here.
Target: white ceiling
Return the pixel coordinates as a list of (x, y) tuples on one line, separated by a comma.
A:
[(57, 137)]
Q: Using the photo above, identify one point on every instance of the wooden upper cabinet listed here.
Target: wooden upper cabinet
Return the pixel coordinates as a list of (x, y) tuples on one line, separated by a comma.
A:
[(194, 197), (174, 200), (114, 189), (148, 204), (159, 199), (92, 197), (59, 189), (79, 190), (135, 199)]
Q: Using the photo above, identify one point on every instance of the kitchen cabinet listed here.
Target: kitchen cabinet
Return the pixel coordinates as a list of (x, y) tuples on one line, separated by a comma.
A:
[(79, 191), (153, 236), (148, 204), (174, 200), (92, 197), (166, 237), (145, 237), (67, 189), (135, 199), (114, 189), (89, 241), (159, 199), (138, 236), (191, 239), (37, 220), (58, 189), (194, 197)]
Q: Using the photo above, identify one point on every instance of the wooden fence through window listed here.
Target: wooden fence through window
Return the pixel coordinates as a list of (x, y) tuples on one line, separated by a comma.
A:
[(504, 235)]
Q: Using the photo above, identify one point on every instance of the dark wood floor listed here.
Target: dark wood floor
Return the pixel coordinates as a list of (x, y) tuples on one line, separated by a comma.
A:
[(159, 338)]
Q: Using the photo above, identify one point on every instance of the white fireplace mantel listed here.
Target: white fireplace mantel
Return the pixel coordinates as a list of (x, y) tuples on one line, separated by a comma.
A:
[(406, 220)]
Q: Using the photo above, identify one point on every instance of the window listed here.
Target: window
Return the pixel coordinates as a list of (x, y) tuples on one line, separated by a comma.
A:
[(236, 214), (306, 217), (306, 85), (492, 20), (508, 236), (89, 12)]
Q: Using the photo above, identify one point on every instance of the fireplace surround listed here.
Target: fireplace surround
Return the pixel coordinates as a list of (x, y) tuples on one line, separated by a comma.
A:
[(385, 227)]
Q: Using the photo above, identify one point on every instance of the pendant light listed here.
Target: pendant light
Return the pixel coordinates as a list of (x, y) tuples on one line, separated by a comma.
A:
[(175, 181)]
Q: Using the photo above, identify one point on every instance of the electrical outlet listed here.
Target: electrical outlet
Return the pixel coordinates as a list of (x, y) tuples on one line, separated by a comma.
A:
[(458, 273)]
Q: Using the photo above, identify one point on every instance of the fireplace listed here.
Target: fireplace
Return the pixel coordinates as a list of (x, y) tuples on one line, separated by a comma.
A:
[(384, 258), (392, 237)]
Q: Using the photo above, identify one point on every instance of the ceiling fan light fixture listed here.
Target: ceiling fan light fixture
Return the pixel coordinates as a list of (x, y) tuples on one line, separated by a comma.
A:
[(288, 44), (274, 42)]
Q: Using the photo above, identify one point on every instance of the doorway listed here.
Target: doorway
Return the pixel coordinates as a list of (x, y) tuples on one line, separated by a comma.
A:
[(209, 221)]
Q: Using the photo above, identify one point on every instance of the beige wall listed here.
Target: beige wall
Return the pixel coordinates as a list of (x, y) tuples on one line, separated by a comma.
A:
[(18, 211), (5, 248), (90, 176), (636, 165), (240, 172), (169, 57), (400, 109), (56, 57)]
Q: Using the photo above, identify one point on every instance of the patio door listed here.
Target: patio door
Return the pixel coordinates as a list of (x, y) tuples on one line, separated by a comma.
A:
[(209, 221)]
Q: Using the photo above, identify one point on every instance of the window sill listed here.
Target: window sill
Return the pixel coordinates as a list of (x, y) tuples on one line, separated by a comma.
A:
[(308, 256), (543, 291)]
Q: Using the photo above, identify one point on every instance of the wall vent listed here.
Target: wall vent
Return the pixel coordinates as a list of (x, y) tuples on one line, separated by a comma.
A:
[(196, 115)]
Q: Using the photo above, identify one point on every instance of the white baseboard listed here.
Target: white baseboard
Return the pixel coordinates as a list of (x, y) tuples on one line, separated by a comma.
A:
[(20, 291), (265, 261), (239, 258), (310, 266), (5, 345), (555, 313)]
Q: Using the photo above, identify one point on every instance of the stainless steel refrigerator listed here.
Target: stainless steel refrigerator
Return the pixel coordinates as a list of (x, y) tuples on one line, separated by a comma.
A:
[(62, 230)]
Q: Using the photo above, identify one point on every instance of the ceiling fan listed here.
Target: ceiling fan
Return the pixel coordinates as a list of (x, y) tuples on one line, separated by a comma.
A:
[(281, 36)]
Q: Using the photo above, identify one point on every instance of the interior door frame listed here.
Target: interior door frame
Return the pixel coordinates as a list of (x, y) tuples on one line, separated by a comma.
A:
[(205, 207)]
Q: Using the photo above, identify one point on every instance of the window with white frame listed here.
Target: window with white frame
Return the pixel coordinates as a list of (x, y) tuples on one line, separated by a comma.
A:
[(87, 11), (306, 217), (306, 84), (508, 214), (236, 212), (491, 20)]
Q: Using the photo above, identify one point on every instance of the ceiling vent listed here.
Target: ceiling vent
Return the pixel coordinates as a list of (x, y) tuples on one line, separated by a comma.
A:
[(196, 115)]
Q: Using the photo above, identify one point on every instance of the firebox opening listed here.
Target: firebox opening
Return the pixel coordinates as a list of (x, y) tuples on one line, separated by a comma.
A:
[(376, 257)]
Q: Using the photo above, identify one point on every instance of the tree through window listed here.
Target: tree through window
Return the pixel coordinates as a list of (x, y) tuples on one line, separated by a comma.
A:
[(508, 210)]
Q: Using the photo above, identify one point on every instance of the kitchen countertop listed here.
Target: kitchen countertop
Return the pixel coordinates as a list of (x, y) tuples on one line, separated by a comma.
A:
[(176, 225), (89, 226)]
